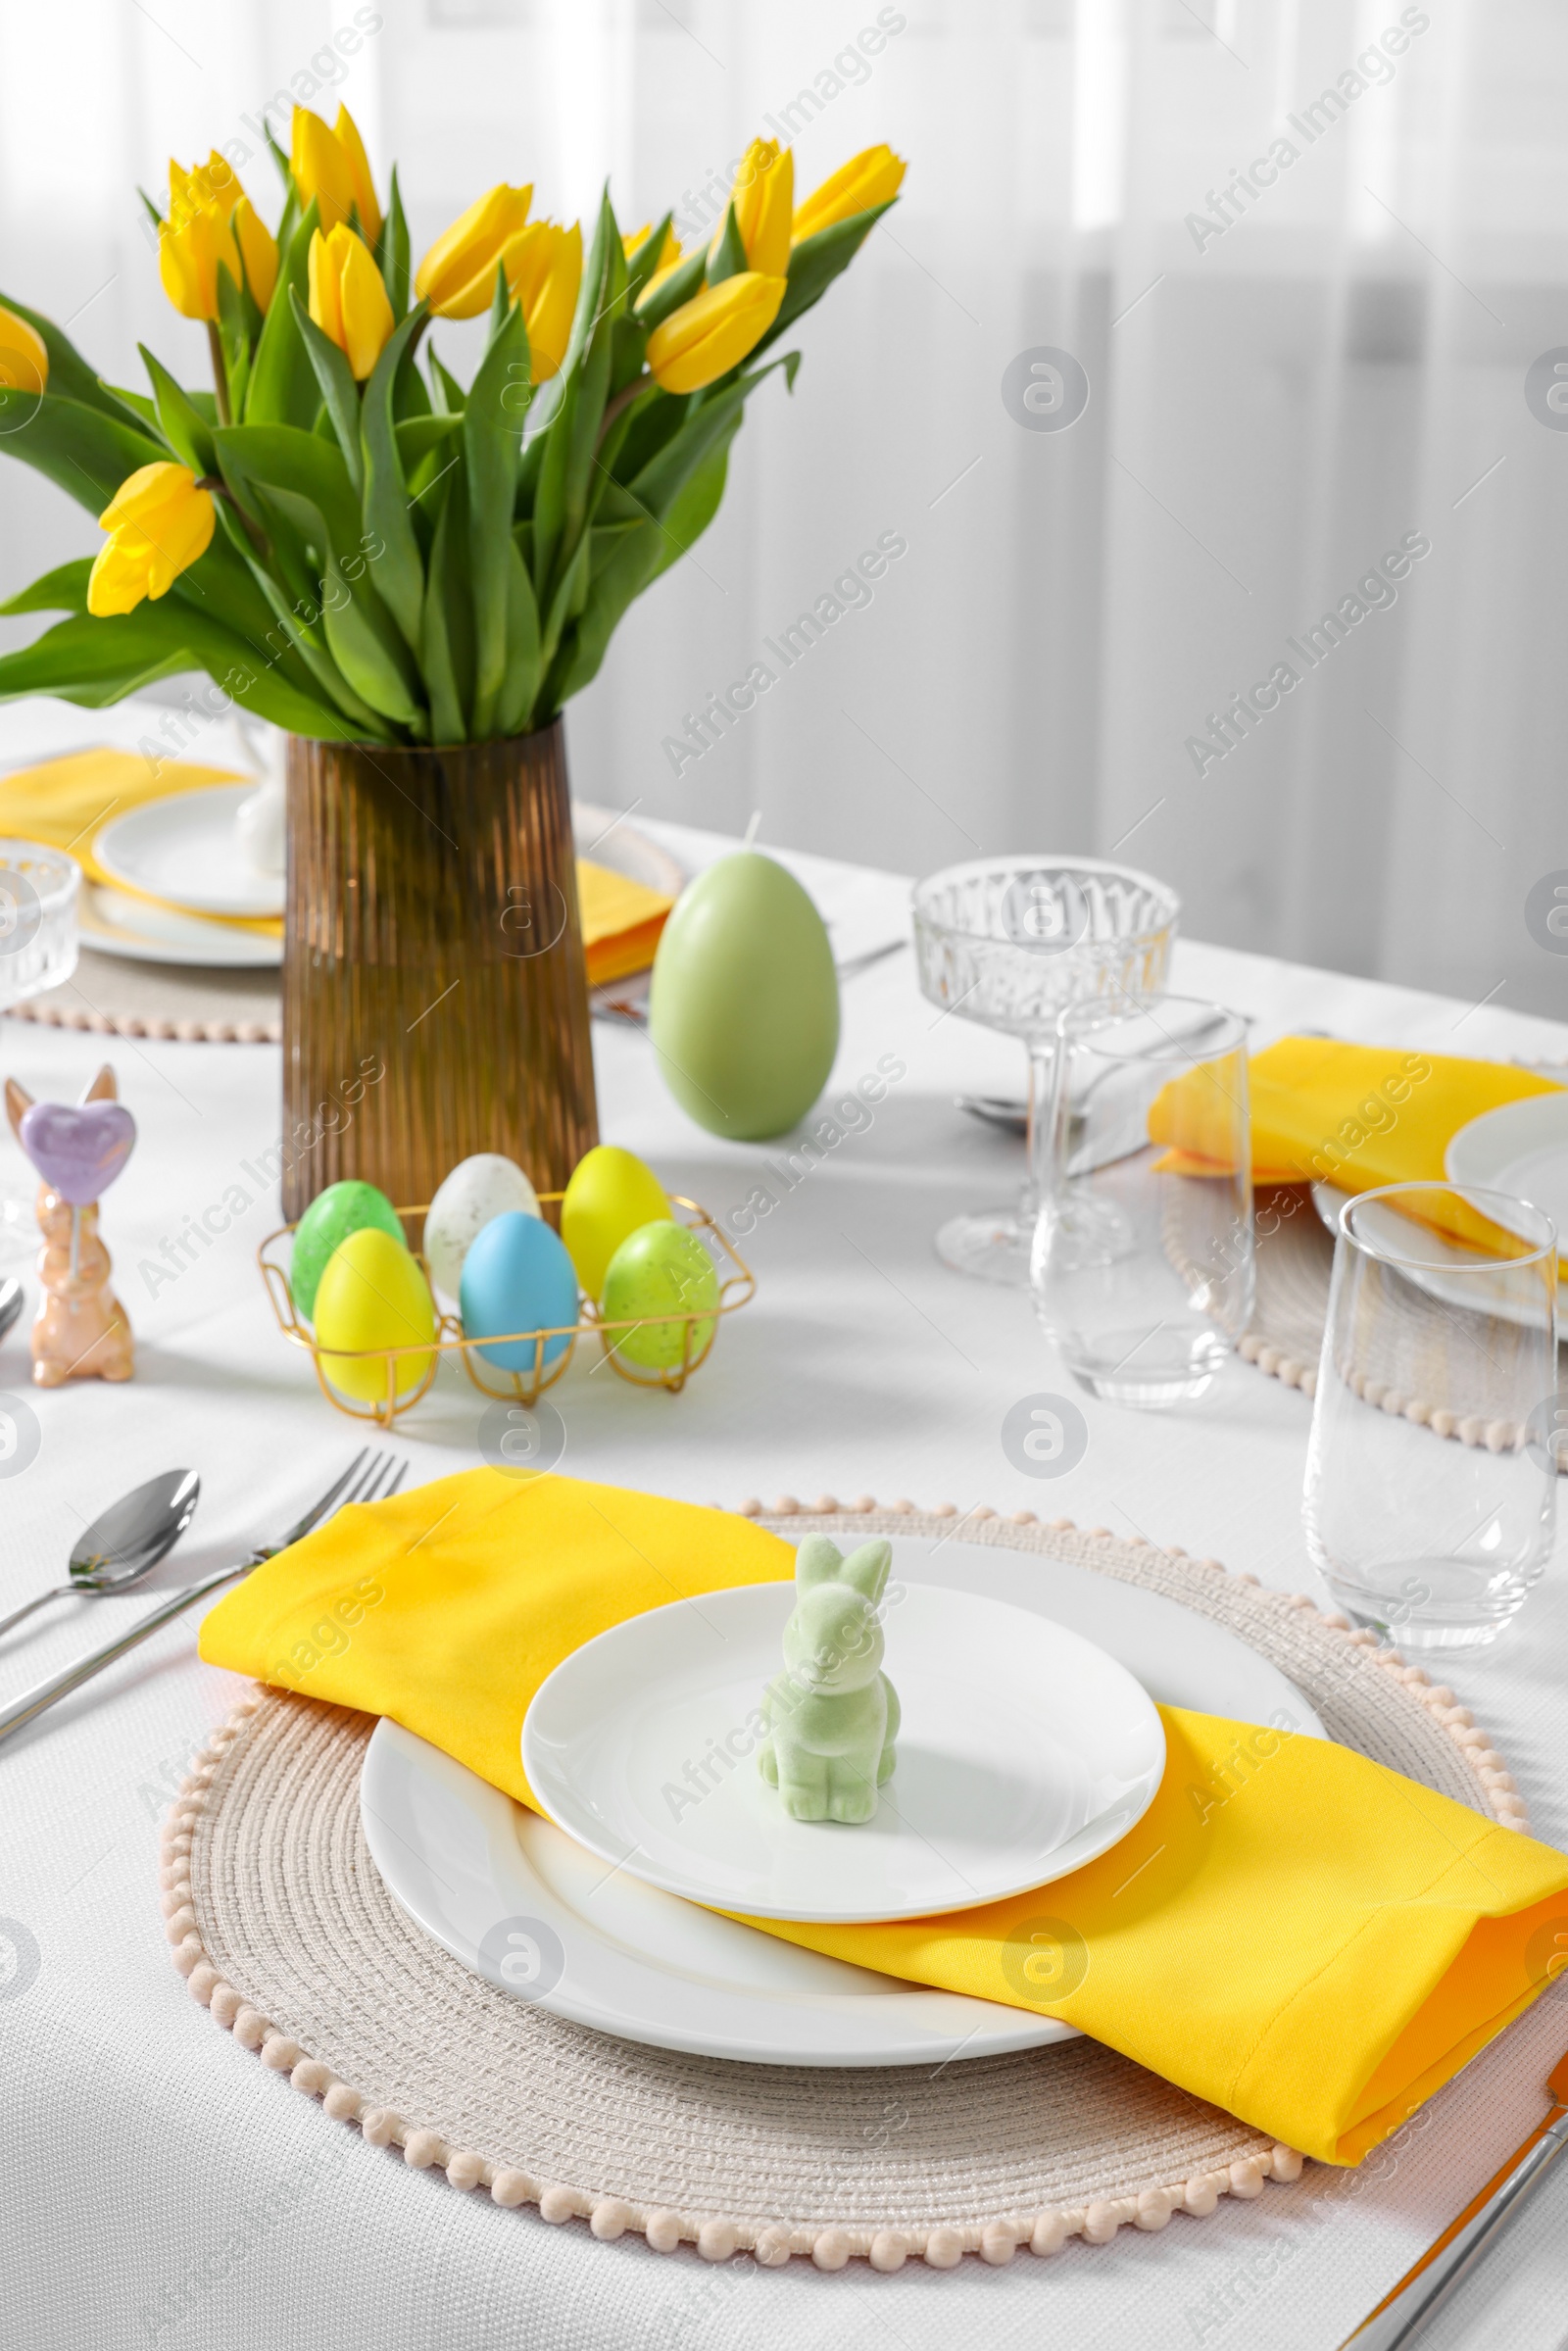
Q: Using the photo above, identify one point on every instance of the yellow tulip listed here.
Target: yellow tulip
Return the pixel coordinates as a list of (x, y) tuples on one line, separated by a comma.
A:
[(457, 275), (330, 166), (258, 250), (159, 521), (347, 133), (763, 196), (210, 222), (868, 179), (544, 273), (24, 356), (348, 301), (706, 337)]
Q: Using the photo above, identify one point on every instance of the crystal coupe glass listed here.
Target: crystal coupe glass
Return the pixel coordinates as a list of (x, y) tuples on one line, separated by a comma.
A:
[(1008, 943)]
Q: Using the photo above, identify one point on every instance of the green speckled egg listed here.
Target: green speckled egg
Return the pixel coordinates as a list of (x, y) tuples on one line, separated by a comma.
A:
[(664, 1269), (744, 1006), (341, 1209)]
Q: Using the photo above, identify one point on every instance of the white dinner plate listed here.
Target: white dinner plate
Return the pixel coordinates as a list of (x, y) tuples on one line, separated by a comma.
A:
[(487, 1879), (113, 923), (1498, 1295), (186, 848), (1521, 1149), (1023, 1753)]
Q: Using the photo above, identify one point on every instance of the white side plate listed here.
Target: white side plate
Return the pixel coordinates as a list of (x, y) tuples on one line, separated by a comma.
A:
[(1024, 1751), (1521, 1149), (186, 848), (487, 1879), (1482, 1293)]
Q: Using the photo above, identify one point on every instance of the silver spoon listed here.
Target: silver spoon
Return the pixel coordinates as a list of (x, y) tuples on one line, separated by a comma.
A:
[(125, 1542), (11, 1297)]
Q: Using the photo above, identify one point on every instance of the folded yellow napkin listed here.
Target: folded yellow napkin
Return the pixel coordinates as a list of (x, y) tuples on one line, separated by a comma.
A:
[(1291, 1931), (1353, 1115), (621, 921), (67, 801)]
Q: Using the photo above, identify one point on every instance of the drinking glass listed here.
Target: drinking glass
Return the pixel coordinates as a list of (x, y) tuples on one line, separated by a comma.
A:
[(1143, 1251), (38, 892), (1008, 942), (1442, 1317)]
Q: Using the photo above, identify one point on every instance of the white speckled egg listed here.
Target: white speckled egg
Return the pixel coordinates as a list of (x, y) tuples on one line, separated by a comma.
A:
[(476, 1191)]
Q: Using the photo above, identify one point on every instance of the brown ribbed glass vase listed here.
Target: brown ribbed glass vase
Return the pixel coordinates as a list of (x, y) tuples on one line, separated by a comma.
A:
[(432, 935)]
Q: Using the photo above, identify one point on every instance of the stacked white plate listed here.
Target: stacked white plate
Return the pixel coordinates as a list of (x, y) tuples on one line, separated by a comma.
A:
[(1030, 1742)]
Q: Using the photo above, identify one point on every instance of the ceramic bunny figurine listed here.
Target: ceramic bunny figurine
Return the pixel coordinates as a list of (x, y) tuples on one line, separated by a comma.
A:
[(832, 1717), (80, 1330)]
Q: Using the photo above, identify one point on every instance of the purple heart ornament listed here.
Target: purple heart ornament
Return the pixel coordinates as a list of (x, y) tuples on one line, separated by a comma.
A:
[(77, 1147)]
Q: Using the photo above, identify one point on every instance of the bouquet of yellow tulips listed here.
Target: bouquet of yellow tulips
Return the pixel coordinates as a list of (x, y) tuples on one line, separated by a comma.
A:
[(359, 549)]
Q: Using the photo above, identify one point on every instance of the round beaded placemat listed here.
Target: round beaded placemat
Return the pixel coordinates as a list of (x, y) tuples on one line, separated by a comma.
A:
[(284, 1931)]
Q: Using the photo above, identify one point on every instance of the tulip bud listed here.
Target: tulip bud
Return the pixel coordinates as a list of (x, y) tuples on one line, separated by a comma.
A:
[(543, 264), (24, 356), (868, 179), (710, 334), (457, 275), (159, 521), (763, 196), (331, 169), (348, 301), (211, 222)]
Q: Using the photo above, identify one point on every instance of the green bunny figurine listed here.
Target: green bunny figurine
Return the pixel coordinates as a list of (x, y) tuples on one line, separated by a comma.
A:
[(832, 1717)]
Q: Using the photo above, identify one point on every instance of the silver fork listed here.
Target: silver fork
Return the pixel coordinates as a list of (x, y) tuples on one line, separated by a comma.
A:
[(366, 1480)]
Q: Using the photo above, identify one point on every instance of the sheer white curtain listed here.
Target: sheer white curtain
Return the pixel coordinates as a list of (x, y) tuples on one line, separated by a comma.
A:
[(1304, 257)]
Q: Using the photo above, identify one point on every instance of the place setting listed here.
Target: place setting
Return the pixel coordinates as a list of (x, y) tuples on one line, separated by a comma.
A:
[(824, 1883)]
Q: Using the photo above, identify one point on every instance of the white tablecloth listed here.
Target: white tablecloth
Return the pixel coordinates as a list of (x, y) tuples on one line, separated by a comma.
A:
[(155, 2184)]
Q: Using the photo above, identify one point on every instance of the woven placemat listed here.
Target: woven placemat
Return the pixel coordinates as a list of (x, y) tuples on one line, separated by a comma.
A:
[(284, 1931), (1293, 1255), (192, 1004)]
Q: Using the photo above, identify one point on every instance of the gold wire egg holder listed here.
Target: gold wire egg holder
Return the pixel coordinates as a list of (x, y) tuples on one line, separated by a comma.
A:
[(737, 1288)]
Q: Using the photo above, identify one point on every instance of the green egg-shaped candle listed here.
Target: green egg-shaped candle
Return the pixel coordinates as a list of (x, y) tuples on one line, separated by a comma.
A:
[(744, 1007), (341, 1209), (664, 1269)]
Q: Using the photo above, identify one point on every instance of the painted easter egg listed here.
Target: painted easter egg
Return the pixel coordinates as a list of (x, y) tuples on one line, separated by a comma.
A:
[(744, 1005), (664, 1269), (611, 1194), (477, 1190), (372, 1293), (341, 1209), (517, 1277)]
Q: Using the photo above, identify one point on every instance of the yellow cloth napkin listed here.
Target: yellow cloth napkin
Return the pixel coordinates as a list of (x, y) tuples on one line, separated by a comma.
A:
[(621, 921), (67, 801), (1291, 1932), (1353, 1115)]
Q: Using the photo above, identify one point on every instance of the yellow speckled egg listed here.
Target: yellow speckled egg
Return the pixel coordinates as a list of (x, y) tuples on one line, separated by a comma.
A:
[(611, 1195), (373, 1294)]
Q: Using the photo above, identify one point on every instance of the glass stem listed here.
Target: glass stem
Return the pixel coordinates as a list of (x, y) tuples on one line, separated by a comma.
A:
[(1041, 1061)]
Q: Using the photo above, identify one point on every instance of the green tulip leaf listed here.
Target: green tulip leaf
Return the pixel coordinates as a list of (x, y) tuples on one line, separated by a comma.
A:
[(282, 387), (435, 649), (63, 590), (187, 433), (683, 281), (85, 451), (644, 261), (70, 376), (386, 497), (448, 396), (339, 391), (816, 261), (728, 257), (393, 252), (492, 444), (520, 681)]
